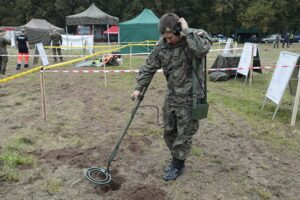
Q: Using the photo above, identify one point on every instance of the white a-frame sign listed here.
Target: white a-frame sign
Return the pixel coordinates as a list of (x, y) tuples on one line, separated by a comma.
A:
[(284, 69), (39, 50), (228, 47), (246, 60)]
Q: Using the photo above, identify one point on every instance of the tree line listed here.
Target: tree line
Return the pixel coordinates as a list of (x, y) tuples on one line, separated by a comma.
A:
[(215, 16)]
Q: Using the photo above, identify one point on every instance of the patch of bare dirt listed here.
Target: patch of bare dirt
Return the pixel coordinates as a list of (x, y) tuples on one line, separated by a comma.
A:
[(115, 184), (144, 192), (74, 157)]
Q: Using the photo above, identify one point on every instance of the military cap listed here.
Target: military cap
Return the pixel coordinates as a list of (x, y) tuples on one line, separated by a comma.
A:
[(169, 23)]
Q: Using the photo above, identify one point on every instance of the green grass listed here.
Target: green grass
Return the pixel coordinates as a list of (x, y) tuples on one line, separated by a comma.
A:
[(263, 193), (53, 186), (13, 156), (247, 100), (280, 141), (197, 151)]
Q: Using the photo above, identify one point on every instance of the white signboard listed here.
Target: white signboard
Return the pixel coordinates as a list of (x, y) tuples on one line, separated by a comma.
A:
[(284, 69), (10, 35), (246, 58), (229, 45), (42, 54), (77, 42)]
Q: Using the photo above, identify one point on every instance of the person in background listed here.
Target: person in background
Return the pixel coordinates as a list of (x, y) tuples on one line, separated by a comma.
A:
[(277, 40), (253, 38), (291, 38), (174, 53), (56, 41), (23, 49), (286, 39), (3, 51)]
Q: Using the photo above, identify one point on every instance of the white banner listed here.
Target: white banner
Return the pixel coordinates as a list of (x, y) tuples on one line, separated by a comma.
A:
[(76, 42)]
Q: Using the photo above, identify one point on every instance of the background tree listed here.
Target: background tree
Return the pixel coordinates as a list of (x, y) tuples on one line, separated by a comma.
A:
[(215, 16), (259, 14)]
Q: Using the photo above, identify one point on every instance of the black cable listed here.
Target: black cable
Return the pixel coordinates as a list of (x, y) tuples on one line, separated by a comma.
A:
[(157, 115)]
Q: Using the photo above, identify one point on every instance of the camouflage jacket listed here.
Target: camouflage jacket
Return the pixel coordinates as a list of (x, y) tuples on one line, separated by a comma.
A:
[(56, 39), (176, 62), (3, 43)]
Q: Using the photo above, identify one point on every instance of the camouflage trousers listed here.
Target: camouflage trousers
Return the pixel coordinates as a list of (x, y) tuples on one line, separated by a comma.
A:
[(58, 50), (179, 128), (3, 63)]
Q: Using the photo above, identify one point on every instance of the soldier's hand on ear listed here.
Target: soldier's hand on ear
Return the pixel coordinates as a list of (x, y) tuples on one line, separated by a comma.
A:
[(183, 24)]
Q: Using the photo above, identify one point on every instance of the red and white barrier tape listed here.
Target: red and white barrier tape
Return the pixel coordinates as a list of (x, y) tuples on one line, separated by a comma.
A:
[(230, 49), (12, 55), (92, 71), (261, 67), (136, 71)]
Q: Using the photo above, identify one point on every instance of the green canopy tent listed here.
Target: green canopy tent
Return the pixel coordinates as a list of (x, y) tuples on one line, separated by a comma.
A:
[(140, 29)]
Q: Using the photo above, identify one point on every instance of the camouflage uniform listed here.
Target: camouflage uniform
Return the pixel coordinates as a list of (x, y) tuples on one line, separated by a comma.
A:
[(56, 41), (176, 63), (3, 51)]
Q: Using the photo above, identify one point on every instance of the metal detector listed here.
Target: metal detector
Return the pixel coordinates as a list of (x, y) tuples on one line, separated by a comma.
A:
[(105, 176)]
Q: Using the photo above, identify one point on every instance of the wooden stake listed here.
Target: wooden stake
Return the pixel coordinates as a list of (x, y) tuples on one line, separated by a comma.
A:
[(251, 66), (130, 56), (104, 67), (43, 95), (296, 104)]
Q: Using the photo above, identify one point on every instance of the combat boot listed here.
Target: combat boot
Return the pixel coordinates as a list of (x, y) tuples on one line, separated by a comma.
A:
[(25, 65), (174, 169), (18, 66), (173, 162)]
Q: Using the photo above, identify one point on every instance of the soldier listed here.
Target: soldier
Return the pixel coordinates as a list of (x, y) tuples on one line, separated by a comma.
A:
[(56, 40), (3, 51), (23, 49), (286, 39), (174, 53), (277, 40)]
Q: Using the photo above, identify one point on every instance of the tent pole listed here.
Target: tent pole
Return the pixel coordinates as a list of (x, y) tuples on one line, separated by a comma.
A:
[(148, 46), (67, 38), (82, 39), (130, 56), (107, 28), (103, 60), (119, 35), (93, 31)]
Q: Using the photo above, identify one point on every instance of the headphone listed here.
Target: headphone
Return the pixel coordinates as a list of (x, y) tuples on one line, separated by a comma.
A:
[(170, 21), (177, 29)]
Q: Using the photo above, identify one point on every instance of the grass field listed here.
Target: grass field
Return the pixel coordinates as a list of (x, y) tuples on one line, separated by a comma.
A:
[(238, 153)]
